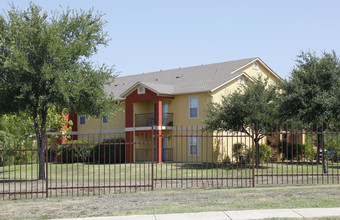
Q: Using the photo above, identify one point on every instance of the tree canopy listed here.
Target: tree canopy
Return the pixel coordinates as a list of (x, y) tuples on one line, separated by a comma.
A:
[(250, 109), (311, 95), (45, 63)]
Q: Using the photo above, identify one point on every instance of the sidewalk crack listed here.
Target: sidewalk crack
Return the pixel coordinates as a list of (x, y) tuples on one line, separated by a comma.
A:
[(227, 215), (298, 213)]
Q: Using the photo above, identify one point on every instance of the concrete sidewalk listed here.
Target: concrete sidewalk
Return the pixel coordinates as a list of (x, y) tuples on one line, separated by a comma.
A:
[(231, 215)]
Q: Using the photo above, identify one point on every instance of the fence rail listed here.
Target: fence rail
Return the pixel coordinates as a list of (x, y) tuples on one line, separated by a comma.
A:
[(78, 165)]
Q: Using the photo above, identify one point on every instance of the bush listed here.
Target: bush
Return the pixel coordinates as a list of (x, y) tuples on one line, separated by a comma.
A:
[(109, 151), (291, 151), (18, 152), (265, 154), (75, 151), (239, 150), (309, 152)]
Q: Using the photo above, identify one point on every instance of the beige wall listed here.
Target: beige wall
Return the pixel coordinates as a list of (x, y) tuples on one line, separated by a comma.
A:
[(116, 122), (180, 107), (262, 70)]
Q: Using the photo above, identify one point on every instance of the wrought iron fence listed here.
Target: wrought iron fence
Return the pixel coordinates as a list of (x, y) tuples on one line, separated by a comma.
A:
[(191, 157)]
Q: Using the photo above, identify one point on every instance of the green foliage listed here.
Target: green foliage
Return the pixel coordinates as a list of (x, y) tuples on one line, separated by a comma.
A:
[(45, 63), (252, 109), (296, 151), (253, 103), (332, 145), (265, 154), (309, 152), (18, 152), (110, 151), (239, 150), (312, 93), (75, 151), (19, 126)]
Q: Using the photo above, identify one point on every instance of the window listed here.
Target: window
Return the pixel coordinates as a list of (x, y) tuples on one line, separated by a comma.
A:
[(241, 80), (82, 119), (105, 119), (255, 66), (193, 107), (193, 146), (141, 90)]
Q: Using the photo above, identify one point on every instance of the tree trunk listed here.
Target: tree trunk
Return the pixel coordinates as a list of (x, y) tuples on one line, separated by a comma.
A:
[(41, 156), (257, 151), (41, 139), (321, 145)]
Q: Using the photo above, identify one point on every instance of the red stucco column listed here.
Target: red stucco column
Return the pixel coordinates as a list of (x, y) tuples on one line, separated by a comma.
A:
[(159, 131), (129, 134)]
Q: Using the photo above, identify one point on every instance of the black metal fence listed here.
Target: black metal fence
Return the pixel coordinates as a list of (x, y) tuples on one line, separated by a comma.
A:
[(191, 157)]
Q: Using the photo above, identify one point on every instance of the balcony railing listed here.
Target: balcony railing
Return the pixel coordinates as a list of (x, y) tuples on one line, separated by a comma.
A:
[(149, 119)]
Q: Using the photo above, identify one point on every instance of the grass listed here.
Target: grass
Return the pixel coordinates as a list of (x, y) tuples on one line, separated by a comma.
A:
[(84, 179), (174, 201), (164, 170)]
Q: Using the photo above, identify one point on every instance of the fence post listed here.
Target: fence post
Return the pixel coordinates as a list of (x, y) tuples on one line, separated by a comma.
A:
[(253, 153), (46, 162)]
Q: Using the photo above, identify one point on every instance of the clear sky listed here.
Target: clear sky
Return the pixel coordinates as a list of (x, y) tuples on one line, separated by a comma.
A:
[(152, 35)]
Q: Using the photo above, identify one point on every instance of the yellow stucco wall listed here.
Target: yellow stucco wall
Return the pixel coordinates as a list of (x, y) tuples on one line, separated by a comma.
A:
[(262, 70), (116, 122), (180, 107), (232, 86), (179, 142)]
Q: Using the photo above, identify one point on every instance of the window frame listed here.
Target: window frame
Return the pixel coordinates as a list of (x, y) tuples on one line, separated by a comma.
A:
[(241, 80), (141, 92), (80, 116), (197, 146), (107, 119), (194, 97)]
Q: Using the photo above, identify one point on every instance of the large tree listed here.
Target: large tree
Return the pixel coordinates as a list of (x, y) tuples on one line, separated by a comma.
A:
[(311, 95), (45, 62), (251, 109)]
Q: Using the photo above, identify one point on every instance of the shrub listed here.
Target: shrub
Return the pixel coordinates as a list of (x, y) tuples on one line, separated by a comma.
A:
[(239, 150), (18, 152), (265, 154), (309, 152), (291, 151), (75, 151), (109, 151)]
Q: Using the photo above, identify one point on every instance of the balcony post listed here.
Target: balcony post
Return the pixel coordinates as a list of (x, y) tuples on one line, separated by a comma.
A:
[(159, 130), (129, 136)]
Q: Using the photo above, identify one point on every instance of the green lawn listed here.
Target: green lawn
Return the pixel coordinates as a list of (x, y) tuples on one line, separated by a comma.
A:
[(143, 171), (174, 201), (89, 179)]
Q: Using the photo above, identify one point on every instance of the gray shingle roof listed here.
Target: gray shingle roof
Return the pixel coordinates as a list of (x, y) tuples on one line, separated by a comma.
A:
[(181, 80)]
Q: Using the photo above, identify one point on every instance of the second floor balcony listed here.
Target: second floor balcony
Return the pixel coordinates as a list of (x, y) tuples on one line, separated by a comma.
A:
[(149, 119)]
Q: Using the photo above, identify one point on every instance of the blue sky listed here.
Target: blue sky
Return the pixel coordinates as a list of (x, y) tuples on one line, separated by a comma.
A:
[(152, 35)]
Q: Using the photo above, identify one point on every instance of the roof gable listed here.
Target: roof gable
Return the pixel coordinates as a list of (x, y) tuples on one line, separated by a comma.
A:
[(202, 78), (159, 89)]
